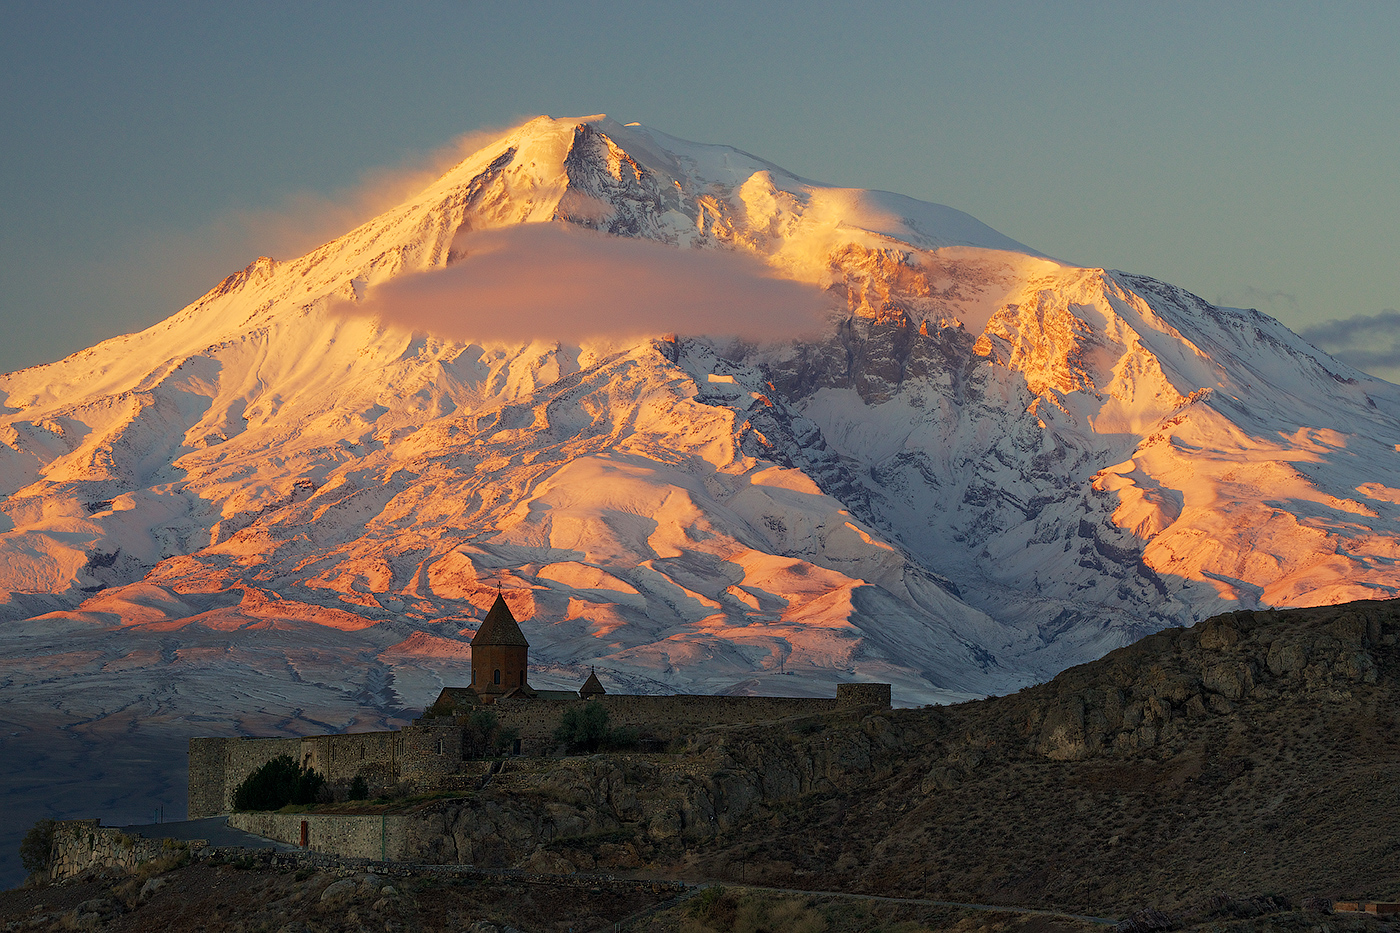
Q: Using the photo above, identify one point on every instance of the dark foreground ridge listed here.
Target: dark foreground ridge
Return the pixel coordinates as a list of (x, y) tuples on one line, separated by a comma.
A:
[(1239, 774)]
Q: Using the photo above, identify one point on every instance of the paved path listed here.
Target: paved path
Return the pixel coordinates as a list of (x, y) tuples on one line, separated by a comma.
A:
[(215, 830), (928, 903), (696, 888)]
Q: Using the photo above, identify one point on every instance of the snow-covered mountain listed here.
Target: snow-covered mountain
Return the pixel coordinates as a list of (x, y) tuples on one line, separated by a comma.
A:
[(983, 466)]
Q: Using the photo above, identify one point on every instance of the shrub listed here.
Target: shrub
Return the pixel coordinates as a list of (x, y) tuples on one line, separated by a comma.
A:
[(505, 739), (279, 782), (585, 729), (621, 738), (481, 729), (716, 909), (359, 788), (35, 848), (484, 735)]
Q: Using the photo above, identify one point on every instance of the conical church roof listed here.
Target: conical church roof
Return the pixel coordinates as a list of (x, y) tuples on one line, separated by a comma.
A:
[(499, 628), (592, 686)]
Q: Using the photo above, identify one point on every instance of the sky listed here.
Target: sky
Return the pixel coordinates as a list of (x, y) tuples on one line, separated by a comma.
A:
[(1243, 151)]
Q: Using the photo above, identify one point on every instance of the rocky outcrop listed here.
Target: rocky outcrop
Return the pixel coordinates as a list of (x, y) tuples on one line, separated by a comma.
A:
[(1144, 701), (1142, 696), (609, 190), (612, 811)]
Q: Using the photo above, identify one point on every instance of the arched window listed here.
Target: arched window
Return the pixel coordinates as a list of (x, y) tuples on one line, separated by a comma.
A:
[(498, 675), (522, 678)]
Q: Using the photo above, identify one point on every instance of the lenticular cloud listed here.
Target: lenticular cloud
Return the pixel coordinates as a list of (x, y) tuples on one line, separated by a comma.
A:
[(546, 281)]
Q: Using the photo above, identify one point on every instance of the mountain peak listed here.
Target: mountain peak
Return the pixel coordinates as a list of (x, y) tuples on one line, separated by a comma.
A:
[(985, 465)]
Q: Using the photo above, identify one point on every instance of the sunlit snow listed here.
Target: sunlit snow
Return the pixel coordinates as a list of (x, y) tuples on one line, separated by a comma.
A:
[(272, 513)]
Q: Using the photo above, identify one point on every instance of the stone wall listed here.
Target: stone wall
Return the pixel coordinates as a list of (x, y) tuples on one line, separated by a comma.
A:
[(207, 777), (428, 754), (432, 751), (375, 756), (660, 718), (863, 694), (82, 844), (218, 766), (380, 837)]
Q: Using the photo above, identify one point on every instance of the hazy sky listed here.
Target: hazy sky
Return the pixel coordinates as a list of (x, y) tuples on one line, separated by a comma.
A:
[(1247, 152)]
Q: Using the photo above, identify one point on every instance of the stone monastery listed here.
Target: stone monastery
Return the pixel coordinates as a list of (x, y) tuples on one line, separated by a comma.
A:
[(433, 753)]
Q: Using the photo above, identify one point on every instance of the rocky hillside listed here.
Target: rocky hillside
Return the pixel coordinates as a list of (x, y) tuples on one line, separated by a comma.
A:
[(1234, 775), (1254, 753)]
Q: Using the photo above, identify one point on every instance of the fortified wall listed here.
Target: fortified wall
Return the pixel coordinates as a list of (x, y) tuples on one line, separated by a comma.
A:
[(383, 759), (666, 718), (431, 753)]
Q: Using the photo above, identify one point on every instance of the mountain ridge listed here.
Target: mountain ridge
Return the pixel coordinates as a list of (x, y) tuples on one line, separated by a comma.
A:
[(271, 513), (1086, 349)]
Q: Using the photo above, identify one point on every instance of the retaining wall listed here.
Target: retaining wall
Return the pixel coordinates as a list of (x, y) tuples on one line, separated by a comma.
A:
[(82, 844), (428, 754), (380, 837)]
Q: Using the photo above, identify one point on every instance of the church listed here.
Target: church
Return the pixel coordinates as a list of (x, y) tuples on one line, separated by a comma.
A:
[(432, 753), (500, 656)]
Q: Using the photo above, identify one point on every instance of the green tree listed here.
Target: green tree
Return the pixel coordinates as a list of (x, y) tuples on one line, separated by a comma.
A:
[(480, 733), (484, 735), (34, 849), (583, 728), (505, 739), (359, 788), (279, 782)]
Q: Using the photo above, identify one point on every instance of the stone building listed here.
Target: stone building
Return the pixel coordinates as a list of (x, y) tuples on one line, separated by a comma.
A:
[(592, 687), (432, 753), (500, 656)]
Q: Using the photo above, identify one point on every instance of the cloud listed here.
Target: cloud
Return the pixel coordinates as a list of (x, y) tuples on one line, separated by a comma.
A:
[(555, 282), (306, 220), (148, 275), (1369, 342), (1247, 296)]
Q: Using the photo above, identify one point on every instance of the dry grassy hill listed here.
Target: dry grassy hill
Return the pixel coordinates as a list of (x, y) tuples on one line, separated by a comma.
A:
[(1256, 753)]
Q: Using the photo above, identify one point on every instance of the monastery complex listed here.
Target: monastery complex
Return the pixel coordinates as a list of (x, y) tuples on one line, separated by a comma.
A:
[(434, 753)]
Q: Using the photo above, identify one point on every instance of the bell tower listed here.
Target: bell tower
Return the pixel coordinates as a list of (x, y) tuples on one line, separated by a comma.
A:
[(500, 656)]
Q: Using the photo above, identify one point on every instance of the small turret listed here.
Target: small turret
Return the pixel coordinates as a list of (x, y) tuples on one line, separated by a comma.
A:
[(592, 687)]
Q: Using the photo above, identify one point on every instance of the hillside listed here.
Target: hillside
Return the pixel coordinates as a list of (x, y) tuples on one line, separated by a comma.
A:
[(1229, 775), (1254, 754)]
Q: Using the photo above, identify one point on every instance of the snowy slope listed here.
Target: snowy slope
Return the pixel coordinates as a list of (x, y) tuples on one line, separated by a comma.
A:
[(990, 464)]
